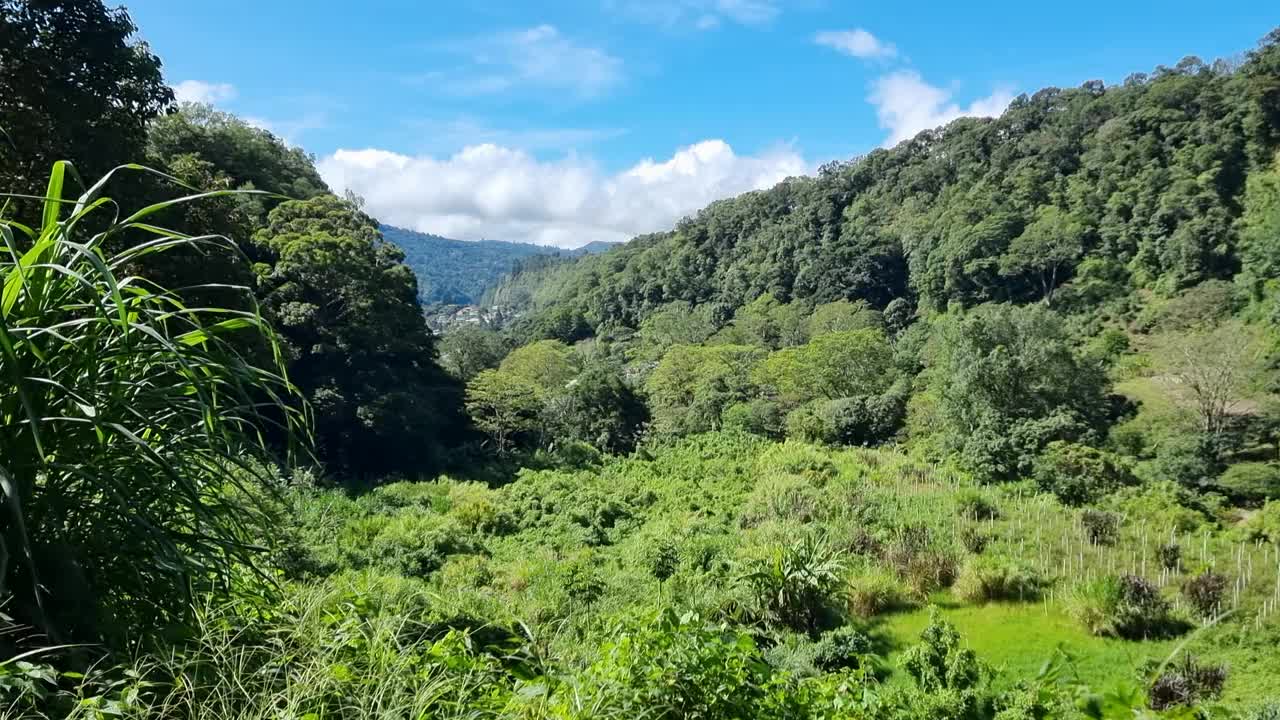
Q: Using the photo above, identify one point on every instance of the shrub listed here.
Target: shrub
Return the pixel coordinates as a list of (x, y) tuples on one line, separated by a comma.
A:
[(930, 572), (760, 416), (794, 585), (1129, 607), (1078, 474), (793, 458), (874, 592), (1186, 683), (677, 668), (947, 672), (1251, 482), (974, 540), (1170, 556), (466, 571), (974, 505), (784, 497), (841, 648), (1204, 592), (1264, 524), (984, 579), (1102, 528), (410, 544)]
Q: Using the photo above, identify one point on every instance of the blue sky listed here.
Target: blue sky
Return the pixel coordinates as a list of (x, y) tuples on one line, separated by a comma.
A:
[(579, 120)]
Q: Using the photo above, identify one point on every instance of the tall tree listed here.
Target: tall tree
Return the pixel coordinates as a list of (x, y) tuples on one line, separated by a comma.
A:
[(75, 84), (346, 307), (1046, 250)]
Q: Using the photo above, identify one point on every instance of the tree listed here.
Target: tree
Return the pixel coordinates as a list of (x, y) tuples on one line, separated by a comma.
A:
[(547, 364), (469, 349), (843, 316), (676, 323), (1260, 236), (692, 386), (74, 85), (249, 157), (356, 340), (1046, 250), (1218, 369), (503, 406), (833, 365), (598, 408), (1007, 383)]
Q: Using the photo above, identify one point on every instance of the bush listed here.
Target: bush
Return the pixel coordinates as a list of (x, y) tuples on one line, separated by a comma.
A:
[(760, 416), (874, 592), (794, 585), (1102, 528), (1186, 683), (1170, 556), (929, 572), (1264, 524), (984, 579), (974, 505), (1129, 607), (409, 544), (466, 571), (974, 540), (842, 648), (1251, 482), (1078, 474), (785, 497), (1204, 592), (677, 668)]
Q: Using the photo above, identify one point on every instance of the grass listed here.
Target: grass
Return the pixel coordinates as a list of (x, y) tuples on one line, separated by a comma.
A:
[(1018, 638)]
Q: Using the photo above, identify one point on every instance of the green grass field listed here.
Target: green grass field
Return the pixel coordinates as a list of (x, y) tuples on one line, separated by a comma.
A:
[(1018, 638)]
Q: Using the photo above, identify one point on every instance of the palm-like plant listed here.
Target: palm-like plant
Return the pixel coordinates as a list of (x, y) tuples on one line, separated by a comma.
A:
[(131, 429), (793, 586)]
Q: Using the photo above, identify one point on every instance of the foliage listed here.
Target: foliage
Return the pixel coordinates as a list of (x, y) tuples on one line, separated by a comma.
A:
[(1078, 474), (1186, 683), (692, 386), (876, 591), (466, 351), (503, 406), (984, 579), (1008, 384), (548, 365), (1206, 592), (1101, 527), (1128, 606), (250, 157), (793, 587), (678, 667), (129, 417), (355, 338), (75, 83), (1251, 482), (832, 365), (950, 675), (598, 407)]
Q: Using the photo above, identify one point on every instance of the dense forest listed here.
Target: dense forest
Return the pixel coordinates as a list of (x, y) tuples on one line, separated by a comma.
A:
[(982, 426), (458, 272)]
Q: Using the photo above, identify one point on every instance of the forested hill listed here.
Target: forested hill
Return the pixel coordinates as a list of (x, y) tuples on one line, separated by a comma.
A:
[(1141, 185), (457, 272)]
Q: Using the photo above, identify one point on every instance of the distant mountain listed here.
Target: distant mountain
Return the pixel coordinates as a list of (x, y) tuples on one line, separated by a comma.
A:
[(457, 272)]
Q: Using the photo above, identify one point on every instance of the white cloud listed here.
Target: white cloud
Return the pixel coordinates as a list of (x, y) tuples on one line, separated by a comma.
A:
[(906, 104), (858, 42), (198, 91), (489, 191), (697, 14), (538, 57)]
